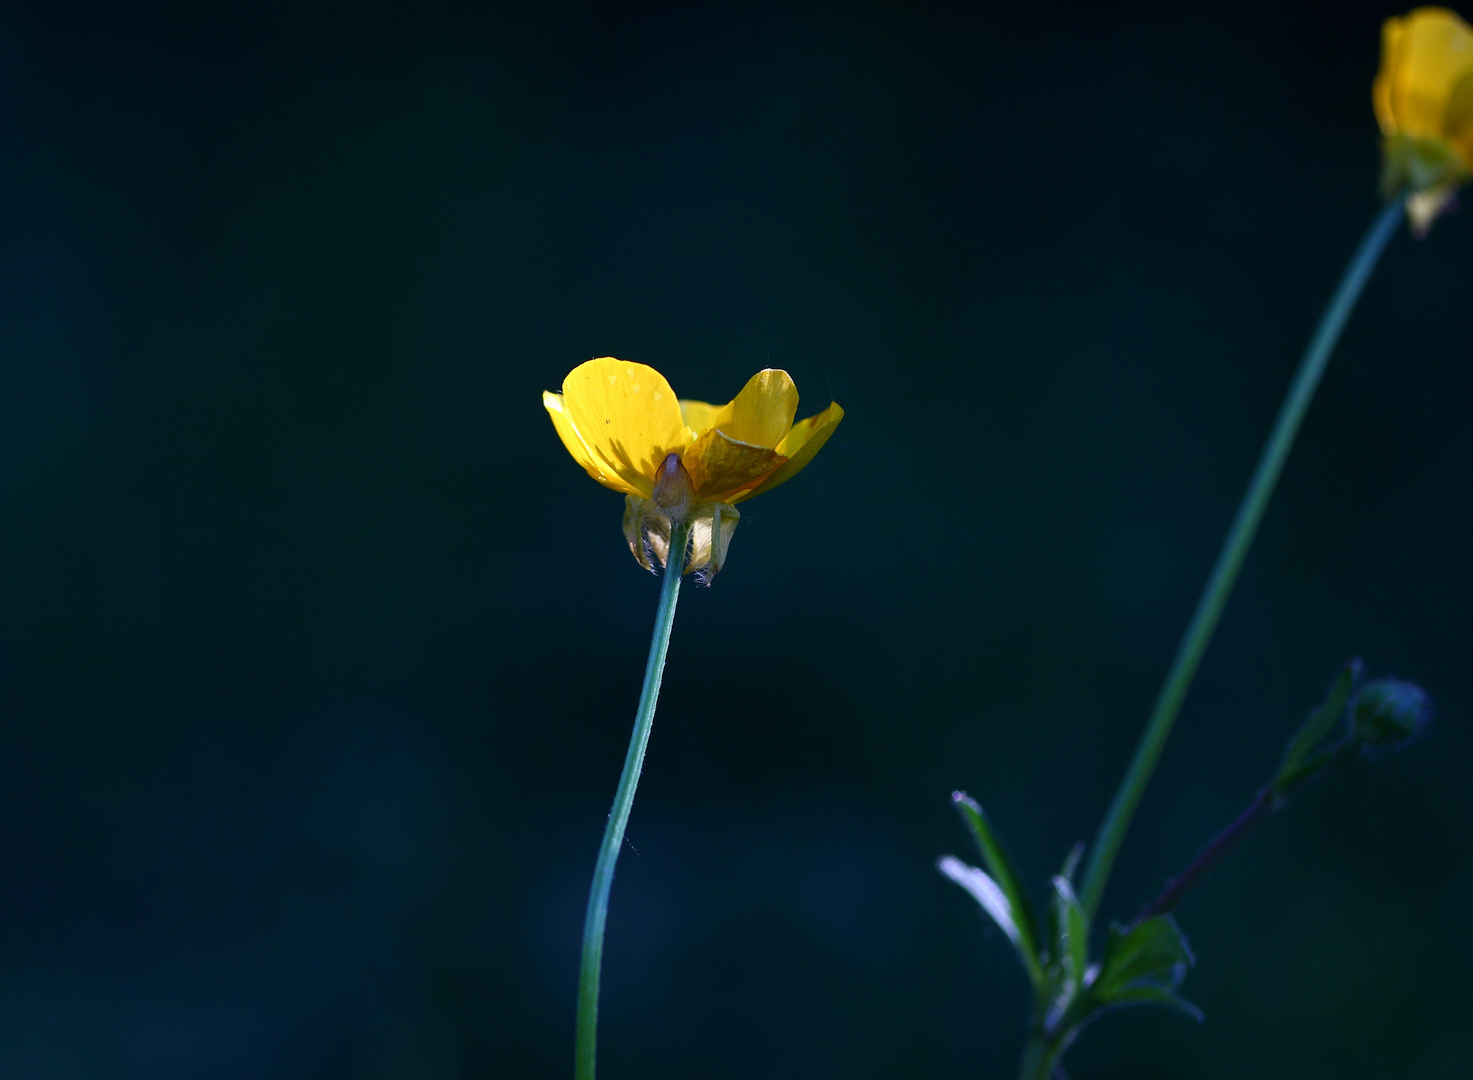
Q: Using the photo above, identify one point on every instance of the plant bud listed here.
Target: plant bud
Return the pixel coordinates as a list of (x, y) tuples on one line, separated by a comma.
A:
[(1387, 712)]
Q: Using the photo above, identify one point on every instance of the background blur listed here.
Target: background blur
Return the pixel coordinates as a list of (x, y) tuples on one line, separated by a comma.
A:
[(318, 654)]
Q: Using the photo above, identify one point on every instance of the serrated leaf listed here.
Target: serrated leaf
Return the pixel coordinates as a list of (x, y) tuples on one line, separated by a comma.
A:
[(1321, 721), (1151, 951), (1152, 994), (1001, 867)]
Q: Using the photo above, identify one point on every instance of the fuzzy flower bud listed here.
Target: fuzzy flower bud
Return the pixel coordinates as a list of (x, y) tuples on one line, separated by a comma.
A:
[(1387, 712)]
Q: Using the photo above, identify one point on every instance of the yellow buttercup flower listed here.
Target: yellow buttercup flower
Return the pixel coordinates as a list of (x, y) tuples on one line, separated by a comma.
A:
[(683, 461), (1423, 96)]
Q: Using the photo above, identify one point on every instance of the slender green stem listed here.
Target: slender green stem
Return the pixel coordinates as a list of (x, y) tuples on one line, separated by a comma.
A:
[(1234, 550), (1040, 1057), (586, 1040)]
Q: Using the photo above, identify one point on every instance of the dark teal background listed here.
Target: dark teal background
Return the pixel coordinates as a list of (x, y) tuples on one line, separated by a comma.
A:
[(318, 654)]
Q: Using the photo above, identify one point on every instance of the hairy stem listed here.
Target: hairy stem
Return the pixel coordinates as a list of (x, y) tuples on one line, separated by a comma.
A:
[(1268, 799), (1218, 847)]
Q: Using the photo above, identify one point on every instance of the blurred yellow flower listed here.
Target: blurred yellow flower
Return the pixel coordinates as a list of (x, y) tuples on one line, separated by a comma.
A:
[(1423, 96), (683, 461)]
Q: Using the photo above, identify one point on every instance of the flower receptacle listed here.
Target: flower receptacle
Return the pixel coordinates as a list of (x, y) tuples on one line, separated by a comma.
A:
[(674, 491), (1424, 172), (650, 523)]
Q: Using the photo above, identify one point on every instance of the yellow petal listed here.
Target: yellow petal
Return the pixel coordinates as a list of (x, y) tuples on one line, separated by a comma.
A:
[(720, 466), (1434, 50), (1393, 38), (805, 440), (763, 412), (569, 434), (627, 417), (1458, 123), (698, 415)]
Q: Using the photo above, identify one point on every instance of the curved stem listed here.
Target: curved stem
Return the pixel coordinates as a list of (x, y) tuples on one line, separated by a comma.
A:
[(1234, 550), (586, 1040)]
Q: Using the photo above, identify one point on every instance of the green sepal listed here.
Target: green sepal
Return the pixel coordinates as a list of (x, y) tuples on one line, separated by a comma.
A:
[(995, 858), (1410, 164), (1318, 725), (1291, 778), (1150, 953)]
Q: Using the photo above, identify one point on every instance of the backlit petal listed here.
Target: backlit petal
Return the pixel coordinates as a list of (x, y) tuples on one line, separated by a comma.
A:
[(628, 418), (569, 434), (805, 440), (720, 467), (698, 415), (763, 412)]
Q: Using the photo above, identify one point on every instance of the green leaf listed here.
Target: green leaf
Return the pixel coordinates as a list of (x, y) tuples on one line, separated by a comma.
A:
[(1148, 993), (1289, 779), (984, 890), (1320, 722), (1066, 976), (994, 901), (1001, 868), (1071, 862), (1150, 952), (1073, 924)]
